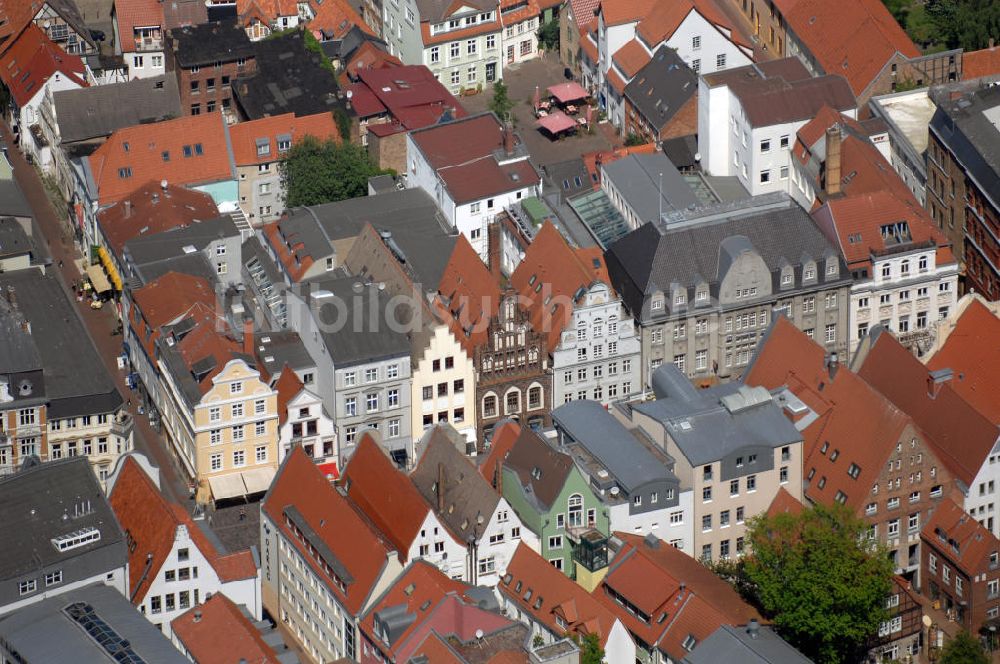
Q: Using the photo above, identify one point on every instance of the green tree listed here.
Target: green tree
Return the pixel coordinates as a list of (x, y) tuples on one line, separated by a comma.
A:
[(821, 579), (316, 172), (590, 650), (501, 103), (634, 139), (548, 35), (963, 649)]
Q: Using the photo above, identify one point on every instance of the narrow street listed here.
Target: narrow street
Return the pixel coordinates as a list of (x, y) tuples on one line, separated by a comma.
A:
[(99, 323)]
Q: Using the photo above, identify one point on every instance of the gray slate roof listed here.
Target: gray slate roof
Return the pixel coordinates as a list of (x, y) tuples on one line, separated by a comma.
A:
[(12, 200), (708, 425), (45, 632), (694, 246), (734, 644), (468, 497), (589, 424), (970, 127), (359, 333), (638, 179), (157, 254), (13, 240), (76, 381), (99, 110), (33, 503), (435, 10), (541, 469), (662, 87), (410, 215), (208, 43)]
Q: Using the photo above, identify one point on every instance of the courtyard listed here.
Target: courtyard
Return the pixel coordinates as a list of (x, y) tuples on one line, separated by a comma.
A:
[(521, 80)]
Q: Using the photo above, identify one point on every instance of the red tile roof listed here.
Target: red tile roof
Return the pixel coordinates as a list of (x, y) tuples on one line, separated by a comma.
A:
[(132, 14), (332, 19), (462, 154), (851, 416), (853, 38), (14, 16), (985, 62), (545, 593), (210, 338), (295, 264), (151, 209), (961, 436), (971, 351), (165, 300), (949, 526), (287, 387), (412, 95), (151, 523), (855, 226), (31, 60), (784, 503), (504, 437), (616, 81), (156, 151), (269, 11), (244, 135), (681, 596), (219, 615), (348, 535), (551, 267), (588, 46), (367, 56), (469, 295), (631, 57), (619, 12), (437, 602), (384, 494)]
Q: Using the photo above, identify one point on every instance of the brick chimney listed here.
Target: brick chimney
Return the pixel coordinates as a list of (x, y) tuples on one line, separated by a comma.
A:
[(833, 160), (508, 139), (936, 379), (248, 337), (493, 248), (128, 209)]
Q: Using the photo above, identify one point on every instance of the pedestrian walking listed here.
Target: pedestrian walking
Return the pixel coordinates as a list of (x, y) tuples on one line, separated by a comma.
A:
[(130, 402), (60, 263)]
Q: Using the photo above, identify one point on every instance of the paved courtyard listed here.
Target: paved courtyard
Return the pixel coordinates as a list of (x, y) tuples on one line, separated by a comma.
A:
[(521, 80)]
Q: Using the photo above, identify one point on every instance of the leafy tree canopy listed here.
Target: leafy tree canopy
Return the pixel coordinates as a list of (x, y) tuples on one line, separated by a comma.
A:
[(548, 35), (317, 172), (501, 103), (963, 649), (820, 578), (590, 650)]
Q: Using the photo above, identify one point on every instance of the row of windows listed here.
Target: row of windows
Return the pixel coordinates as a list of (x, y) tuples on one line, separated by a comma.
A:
[(458, 387), (29, 586), (239, 458), (237, 410), (372, 402), (609, 390), (371, 374), (512, 401), (598, 371), (237, 433), (392, 430)]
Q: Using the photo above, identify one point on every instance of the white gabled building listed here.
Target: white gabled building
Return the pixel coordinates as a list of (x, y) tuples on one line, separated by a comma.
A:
[(468, 506), (628, 33), (474, 168), (303, 422), (748, 118), (173, 565)]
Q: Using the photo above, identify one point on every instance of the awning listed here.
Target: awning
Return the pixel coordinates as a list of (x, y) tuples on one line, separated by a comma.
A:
[(567, 92), (556, 122), (97, 279), (227, 486), (109, 267), (258, 480), (329, 470)]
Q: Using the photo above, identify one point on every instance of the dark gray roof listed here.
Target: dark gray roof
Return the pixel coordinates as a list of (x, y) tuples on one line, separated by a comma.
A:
[(708, 425), (12, 200), (734, 644), (694, 246), (148, 249), (196, 264), (589, 424), (681, 151), (50, 500), (46, 632), (13, 240), (970, 127), (643, 179), (288, 79), (76, 380), (541, 469), (18, 353), (662, 87), (279, 348), (569, 177), (99, 110), (410, 216), (469, 500), (208, 43), (358, 333)]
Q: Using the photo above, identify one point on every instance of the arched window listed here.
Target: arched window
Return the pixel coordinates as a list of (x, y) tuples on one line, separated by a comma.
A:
[(534, 397), (512, 403), (612, 325), (575, 510), (490, 405)]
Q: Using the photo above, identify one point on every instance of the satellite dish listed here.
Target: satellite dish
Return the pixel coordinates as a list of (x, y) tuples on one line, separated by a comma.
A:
[(479, 633), (350, 93), (697, 156)]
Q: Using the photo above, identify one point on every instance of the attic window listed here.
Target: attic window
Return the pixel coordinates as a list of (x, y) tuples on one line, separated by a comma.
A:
[(840, 497), (854, 470), (506, 579), (538, 603), (76, 539), (197, 149), (125, 173), (284, 143), (826, 446), (187, 150), (517, 587), (125, 146), (263, 147), (689, 642), (166, 155), (426, 605), (854, 238)]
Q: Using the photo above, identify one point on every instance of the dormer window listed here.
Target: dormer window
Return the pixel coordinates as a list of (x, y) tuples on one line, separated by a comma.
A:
[(809, 272), (832, 269), (656, 304), (263, 147), (680, 297)]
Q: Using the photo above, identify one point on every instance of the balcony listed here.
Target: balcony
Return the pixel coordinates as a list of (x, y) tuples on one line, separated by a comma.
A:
[(148, 44), (591, 550), (123, 426)]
